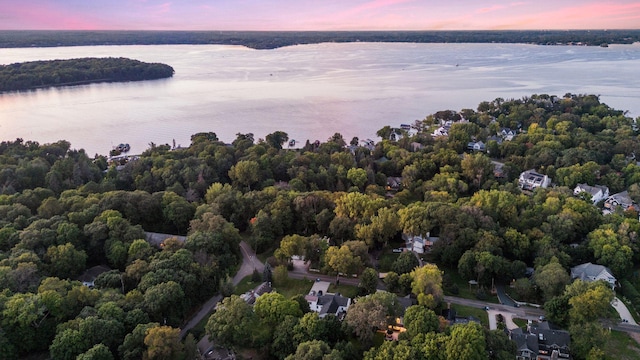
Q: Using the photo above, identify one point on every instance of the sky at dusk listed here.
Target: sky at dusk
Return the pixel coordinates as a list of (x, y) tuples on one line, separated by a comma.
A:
[(317, 14)]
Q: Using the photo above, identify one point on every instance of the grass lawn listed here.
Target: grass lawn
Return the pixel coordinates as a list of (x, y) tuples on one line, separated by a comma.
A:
[(385, 262), (520, 322), (481, 314), (622, 346), (344, 290), (245, 285), (294, 287), (464, 290)]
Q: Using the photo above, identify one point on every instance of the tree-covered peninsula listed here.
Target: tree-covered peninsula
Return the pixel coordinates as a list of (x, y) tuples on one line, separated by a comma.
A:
[(39, 74)]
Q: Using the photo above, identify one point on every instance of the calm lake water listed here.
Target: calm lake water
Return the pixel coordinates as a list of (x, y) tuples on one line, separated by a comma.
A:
[(308, 91)]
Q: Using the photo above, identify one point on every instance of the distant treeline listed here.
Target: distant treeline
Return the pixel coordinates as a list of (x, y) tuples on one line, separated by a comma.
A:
[(37, 74), (275, 39)]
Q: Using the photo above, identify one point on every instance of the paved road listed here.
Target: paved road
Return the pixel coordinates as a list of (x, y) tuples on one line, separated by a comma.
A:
[(249, 263)]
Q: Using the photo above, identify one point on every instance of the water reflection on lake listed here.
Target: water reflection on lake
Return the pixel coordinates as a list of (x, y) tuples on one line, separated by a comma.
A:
[(309, 91)]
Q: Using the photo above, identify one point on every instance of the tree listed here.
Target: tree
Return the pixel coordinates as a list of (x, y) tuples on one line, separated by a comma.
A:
[(370, 312), (427, 285), (358, 177), (476, 169), (611, 249), (382, 227), (342, 260), (163, 342), (133, 346), (405, 263), (165, 300), (177, 210), (551, 279), (466, 342), (276, 139), (97, 352), (284, 342), (420, 320), (311, 350), (232, 323), (414, 219), (272, 308), (245, 173), (65, 261), (368, 281), (67, 345), (589, 301)]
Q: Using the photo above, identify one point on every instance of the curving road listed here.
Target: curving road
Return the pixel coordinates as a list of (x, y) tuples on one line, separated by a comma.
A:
[(249, 263)]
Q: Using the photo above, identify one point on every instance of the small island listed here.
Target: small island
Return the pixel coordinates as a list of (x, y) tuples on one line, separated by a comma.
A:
[(40, 74)]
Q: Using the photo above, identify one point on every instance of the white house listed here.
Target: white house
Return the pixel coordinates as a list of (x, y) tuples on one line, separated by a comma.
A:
[(597, 192), (530, 180), (476, 146), (325, 303), (593, 272)]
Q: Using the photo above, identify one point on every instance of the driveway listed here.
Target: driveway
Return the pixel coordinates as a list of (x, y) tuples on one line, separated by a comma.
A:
[(625, 314), (508, 319), (249, 263)]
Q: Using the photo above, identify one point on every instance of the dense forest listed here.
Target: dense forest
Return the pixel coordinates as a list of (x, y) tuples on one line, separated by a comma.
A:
[(62, 212), (275, 39), (39, 74)]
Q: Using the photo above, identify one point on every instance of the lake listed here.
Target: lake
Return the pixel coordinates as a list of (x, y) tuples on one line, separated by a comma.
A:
[(308, 91)]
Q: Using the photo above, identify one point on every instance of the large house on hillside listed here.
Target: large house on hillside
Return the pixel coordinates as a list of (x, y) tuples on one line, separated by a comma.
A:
[(597, 192), (593, 272), (531, 180)]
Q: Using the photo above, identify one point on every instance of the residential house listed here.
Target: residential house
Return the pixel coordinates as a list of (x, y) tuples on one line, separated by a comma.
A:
[(252, 295), (394, 183), (531, 180), (507, 134), (597, 192), (593, 272), (420, 244), (498, 169), (476, 146), (541, 342), (622, 200), (88, 278), (328, 304)]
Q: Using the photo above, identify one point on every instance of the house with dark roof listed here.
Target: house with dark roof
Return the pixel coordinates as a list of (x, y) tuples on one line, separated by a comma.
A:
[(531, 180), (593, 272), (252, 295), (597, 192), (89, 276), (328, 304), (541, 342)]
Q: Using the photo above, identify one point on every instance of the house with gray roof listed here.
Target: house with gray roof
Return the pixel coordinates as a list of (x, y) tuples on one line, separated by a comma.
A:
[(597, 192), (622, 200), (593, 272)]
